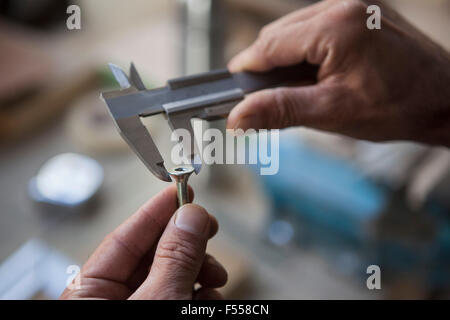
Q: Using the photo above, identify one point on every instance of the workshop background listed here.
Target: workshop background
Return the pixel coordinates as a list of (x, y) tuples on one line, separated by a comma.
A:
[(336, 206)]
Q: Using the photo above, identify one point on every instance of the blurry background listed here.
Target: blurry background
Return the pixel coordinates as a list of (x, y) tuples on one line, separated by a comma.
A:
[(337, 205)]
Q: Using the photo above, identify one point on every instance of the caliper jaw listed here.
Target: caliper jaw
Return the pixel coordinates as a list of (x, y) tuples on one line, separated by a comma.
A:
[(136, 135), (131, 128)]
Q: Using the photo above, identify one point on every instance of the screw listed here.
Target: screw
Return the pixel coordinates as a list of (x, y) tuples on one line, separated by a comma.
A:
[(181, 175)]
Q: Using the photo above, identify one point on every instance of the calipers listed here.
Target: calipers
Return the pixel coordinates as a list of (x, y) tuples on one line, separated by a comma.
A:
[(207, 96)]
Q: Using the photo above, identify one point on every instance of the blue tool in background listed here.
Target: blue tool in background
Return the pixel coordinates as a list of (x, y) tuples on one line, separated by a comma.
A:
[(322, 201)]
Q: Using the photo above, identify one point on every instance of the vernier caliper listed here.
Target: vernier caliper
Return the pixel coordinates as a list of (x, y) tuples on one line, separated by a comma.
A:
[(207, 96)]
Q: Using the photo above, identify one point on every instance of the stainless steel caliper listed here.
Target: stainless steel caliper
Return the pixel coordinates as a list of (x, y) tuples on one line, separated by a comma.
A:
[(206, 96)]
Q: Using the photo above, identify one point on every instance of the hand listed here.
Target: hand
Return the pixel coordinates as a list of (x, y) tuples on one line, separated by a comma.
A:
[(154, 254), (377, 85)]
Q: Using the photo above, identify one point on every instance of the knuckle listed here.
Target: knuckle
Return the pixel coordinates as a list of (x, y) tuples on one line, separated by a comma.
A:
[(265, 31), (352, 10), (347, 11), (334, 108), (350, 17), (118, 240), (353, 5), (179, 253), (286, 111)]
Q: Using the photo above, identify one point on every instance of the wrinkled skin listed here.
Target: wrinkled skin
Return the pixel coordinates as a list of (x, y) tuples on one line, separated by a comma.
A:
[(150, 257), (379, 85)]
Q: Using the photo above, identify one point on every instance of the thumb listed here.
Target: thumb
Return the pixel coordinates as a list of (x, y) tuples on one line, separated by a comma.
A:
[(179, 256), (276, 108)]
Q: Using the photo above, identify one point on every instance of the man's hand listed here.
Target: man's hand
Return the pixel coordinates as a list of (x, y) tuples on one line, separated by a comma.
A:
[(378, 85), (155, 254)]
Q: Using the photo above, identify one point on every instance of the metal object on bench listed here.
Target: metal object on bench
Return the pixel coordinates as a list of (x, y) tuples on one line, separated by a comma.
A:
[(207, 96)]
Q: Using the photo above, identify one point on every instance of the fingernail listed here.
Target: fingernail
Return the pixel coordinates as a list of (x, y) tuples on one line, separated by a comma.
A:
[(192, 219)]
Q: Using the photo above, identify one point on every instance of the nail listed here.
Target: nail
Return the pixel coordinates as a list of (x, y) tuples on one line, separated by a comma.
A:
[(192, 219)]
